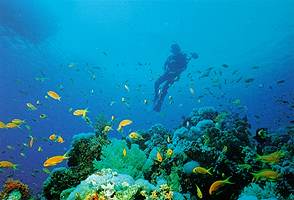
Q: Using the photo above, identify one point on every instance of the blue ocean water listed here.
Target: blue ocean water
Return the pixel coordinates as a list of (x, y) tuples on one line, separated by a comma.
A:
[(88, 51)]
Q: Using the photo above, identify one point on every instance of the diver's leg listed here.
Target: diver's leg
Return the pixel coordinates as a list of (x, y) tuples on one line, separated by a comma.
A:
[(160, 80), (157, 84), (162, 95)]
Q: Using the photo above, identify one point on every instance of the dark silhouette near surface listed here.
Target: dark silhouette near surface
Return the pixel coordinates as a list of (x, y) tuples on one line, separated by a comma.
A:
[(175, 64)]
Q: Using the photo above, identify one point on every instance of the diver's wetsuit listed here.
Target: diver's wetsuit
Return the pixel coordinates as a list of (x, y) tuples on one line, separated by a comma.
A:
[(173, 67)]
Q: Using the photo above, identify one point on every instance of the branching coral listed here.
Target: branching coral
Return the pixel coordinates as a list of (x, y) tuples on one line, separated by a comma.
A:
[(15, 188)]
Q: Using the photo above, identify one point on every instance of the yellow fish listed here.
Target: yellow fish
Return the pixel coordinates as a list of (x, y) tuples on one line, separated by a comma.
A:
[(17, 121), (272, 158), (159, 157), (7, 164), (81, 112), (135, 136), (52, 137), (124, 123), (268, 174), (31, 106), (124, 152), (2, 125), (218, 184), (54, 160), (54, 95), (112, 117), (201, 170), (199, 193), (106, 129), (60, 139), (169, 152), (11, 125)]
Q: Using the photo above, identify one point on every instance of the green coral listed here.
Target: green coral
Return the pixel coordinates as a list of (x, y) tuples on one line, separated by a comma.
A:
[(112, 157), (14, 195), (174, 181)]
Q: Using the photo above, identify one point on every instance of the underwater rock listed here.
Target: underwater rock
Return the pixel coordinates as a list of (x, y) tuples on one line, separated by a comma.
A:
[(196, 131), (203, 113), (145, 185), (179, 134), (204, 124)]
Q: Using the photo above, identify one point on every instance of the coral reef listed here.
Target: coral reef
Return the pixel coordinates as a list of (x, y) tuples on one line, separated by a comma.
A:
[(15, 190), (161, 165)]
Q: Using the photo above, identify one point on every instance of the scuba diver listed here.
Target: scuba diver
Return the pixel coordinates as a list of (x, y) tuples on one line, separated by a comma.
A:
[(175, 64)]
